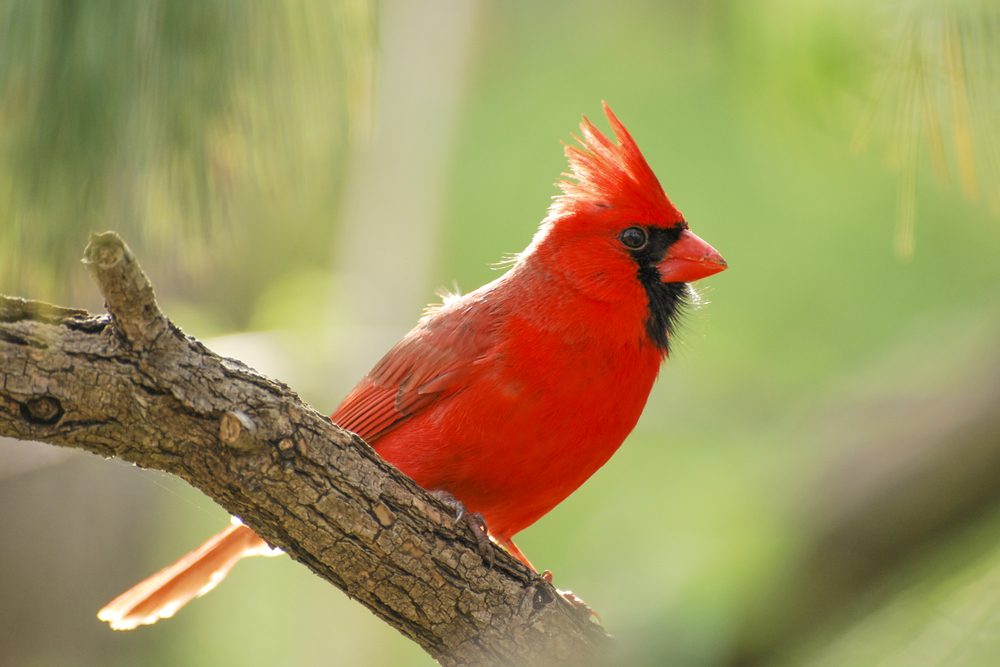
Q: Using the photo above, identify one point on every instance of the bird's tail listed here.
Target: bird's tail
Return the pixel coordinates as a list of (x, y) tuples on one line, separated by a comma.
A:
[(162, 594)]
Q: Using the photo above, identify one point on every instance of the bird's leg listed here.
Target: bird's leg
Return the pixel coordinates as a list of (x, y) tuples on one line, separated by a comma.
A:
[(475, 522), (573, 599)]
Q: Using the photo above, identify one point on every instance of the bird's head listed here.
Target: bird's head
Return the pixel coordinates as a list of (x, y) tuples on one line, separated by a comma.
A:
[(614, 233)]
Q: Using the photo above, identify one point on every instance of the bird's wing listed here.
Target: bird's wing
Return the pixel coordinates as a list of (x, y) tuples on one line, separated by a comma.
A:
[(433, 361)]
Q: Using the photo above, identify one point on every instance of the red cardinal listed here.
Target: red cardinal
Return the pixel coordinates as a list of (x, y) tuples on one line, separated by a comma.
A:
[(510, 397)]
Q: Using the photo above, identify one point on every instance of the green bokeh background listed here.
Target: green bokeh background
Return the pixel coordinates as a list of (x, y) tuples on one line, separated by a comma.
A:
[(222, 140)]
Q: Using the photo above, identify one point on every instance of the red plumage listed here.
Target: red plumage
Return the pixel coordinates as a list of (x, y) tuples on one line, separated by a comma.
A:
[(613, 175), (511, 396)]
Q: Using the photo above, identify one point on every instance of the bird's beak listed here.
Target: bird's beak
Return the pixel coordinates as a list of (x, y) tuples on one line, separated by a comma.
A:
[(689, 259)]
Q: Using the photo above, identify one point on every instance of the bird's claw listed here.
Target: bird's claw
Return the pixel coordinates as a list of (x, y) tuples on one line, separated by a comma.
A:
[(475, 522), (574, 599)]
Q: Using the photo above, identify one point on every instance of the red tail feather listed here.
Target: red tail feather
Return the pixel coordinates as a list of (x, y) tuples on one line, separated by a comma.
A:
[(162, 594)]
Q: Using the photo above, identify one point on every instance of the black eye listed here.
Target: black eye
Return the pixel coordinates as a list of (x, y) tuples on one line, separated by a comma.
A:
[(633, 237)]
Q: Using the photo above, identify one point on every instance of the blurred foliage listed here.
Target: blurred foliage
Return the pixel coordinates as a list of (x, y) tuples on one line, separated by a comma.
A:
[(943, 609), (215, 132), (940, 87), (172, 122)]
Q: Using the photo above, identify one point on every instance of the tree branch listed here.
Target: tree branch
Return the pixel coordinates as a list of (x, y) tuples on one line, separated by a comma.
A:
[(131, 385)]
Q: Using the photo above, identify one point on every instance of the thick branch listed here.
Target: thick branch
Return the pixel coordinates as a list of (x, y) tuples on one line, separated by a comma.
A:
[(132, 386)]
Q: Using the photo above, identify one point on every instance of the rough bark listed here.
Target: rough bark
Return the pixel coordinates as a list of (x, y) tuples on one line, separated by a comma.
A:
[(131, 385)]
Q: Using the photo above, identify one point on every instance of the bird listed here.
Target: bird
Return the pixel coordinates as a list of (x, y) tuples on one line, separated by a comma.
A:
[(506, 399)]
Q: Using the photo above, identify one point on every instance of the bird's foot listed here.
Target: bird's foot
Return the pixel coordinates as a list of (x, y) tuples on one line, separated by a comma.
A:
[(574, 599), (475, 522)]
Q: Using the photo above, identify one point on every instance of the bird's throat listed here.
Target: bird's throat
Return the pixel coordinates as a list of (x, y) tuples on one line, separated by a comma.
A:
[(666, 304)]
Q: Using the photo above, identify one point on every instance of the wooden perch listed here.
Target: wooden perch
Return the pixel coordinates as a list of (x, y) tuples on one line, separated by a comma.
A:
[(131, 385)]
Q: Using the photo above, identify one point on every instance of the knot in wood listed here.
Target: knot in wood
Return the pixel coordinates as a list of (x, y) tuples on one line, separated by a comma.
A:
[(42, 410), (236, 430), (541, 597)]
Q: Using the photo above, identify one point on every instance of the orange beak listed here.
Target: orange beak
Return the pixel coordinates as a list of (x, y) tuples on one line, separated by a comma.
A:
[(689, 259)]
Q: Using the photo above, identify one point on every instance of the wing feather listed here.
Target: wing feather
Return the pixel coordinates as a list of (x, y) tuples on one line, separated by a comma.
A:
[(435, 360)]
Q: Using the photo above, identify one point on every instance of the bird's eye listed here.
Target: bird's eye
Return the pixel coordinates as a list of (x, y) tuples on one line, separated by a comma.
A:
[(633, 238)]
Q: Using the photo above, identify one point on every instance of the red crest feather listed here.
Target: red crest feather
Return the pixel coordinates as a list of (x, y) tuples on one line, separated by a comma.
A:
[(612, 175)]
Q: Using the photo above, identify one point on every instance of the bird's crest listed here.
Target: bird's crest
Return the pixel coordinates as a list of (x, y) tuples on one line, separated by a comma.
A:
[(610, 174)]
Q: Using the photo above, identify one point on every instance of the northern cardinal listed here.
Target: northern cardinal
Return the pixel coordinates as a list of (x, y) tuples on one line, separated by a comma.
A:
[(508, 398)]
